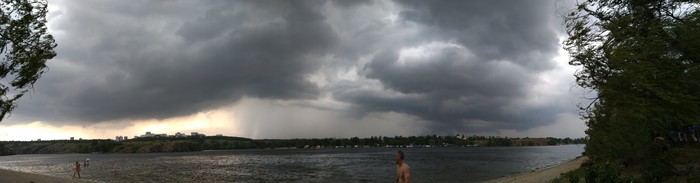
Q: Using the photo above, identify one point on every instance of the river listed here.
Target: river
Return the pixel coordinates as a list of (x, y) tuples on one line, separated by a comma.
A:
[(469, 164)]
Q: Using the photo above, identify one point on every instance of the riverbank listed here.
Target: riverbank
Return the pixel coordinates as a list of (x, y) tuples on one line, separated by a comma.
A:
[(15, 176), (543, 175)]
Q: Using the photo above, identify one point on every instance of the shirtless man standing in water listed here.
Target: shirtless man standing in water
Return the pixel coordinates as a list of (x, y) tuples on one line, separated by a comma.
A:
[(403, 174)]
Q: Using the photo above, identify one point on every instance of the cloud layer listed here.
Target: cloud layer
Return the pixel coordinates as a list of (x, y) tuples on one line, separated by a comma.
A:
[(440, 66)]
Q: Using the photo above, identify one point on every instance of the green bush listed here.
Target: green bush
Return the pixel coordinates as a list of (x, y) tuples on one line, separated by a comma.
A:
[(573, 178), (601, 173)]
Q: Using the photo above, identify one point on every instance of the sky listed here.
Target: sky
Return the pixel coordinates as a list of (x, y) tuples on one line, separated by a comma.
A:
[(303, 69)]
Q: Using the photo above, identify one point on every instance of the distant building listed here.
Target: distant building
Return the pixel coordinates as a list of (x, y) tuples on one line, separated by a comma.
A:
[(121, 138), (72, 138), (219, 135), (148, 134), (197, 134), (180, 135)]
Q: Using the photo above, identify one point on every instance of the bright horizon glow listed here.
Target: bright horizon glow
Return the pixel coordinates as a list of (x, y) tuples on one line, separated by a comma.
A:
[(209, 123)]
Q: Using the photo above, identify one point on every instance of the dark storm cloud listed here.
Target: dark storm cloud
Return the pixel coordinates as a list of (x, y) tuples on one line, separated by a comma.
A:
[(158, 63), (450, 72), (478, 84), (518, 31), (455, 91), (344, 3), (474, 69)]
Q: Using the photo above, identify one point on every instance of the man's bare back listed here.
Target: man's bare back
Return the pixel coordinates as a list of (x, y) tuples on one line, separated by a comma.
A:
[(403, 174)]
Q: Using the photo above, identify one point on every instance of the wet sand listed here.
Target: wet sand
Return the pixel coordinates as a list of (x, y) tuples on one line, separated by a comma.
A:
[(543, 175), (19, 177)]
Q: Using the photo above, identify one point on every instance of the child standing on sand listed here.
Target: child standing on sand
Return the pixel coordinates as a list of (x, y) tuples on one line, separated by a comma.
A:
[(77, 169)]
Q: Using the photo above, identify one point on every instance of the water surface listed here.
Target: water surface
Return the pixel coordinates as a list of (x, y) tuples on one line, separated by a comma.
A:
[(472, 164)]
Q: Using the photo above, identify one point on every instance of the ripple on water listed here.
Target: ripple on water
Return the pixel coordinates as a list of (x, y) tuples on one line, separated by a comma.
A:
[(325, 165)]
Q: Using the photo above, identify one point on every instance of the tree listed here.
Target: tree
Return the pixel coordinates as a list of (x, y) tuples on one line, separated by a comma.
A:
[(25, 46), (641, 57)]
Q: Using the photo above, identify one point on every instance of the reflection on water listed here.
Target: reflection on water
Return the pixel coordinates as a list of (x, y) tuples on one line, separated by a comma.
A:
[(300, 165)]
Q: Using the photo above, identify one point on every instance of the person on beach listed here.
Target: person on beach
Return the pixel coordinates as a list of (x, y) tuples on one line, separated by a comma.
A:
[(403, 174), (77, 169), (116, 170)]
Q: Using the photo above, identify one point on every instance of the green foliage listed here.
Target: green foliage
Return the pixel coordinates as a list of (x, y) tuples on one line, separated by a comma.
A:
[(60, 146), (25, 46), (605, 172), (5, 150), (642, 58), (573, 176), (500, 142)]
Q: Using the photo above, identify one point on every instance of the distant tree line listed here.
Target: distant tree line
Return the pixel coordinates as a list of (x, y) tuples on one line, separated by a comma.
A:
[(422, 141), (186, 144)]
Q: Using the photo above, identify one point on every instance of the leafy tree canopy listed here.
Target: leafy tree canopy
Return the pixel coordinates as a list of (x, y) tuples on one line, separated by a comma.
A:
[(642, 58), (25, 46)]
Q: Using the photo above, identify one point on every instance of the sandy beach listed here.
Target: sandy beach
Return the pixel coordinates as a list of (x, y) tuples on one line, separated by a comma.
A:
[(543, 175), (19, 177)]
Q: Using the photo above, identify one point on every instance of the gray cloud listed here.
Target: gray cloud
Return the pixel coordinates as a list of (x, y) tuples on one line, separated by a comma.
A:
[(137, 67), (458, 92), (518, 31), (480, 81), (476, 64), (342, 3)]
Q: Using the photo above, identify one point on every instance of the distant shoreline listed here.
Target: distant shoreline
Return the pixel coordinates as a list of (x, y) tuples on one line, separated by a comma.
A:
[(544, 174), (199, 143)]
